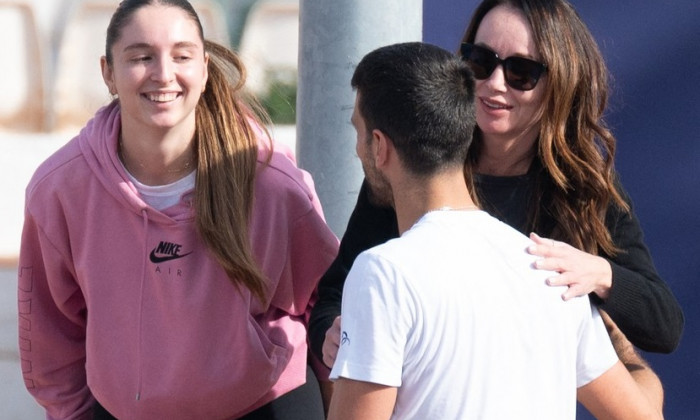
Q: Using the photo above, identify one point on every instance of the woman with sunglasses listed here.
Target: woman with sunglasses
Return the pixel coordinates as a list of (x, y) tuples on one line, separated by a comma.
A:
[(541, 161)]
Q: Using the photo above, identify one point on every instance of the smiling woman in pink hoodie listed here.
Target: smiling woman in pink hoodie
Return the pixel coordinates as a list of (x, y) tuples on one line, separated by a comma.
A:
[(170, 254)]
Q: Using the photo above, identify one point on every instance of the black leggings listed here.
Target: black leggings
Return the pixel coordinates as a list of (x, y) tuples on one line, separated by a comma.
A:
[(303, 403)]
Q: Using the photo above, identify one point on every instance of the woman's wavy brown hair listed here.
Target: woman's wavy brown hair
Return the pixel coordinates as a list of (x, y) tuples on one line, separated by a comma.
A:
[(575, 148), (226, 152)]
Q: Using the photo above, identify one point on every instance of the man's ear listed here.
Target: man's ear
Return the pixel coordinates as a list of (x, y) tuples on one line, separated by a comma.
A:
[(383, 148)]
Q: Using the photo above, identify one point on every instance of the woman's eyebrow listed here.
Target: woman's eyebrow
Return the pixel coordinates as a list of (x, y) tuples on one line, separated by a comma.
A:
[(145, 45)]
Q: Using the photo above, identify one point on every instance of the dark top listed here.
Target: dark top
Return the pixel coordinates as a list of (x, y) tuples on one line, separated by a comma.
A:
[(639, 301)]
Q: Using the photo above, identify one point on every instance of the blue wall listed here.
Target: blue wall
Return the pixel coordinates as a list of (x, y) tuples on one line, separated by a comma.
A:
[(652, 48)]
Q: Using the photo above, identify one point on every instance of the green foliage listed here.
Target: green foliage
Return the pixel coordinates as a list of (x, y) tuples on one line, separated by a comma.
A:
[(280, 101)]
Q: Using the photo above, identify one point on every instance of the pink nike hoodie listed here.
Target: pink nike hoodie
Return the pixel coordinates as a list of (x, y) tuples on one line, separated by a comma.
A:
[(123, 302)]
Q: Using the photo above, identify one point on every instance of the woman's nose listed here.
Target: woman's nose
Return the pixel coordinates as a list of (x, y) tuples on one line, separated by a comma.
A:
[(497, 79), (163, 70)]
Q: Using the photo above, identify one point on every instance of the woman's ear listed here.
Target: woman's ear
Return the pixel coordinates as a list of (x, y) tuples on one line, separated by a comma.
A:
[(206, 71), (108, 76)]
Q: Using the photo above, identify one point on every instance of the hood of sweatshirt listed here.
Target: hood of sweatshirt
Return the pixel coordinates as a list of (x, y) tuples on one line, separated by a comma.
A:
[(98, 142)]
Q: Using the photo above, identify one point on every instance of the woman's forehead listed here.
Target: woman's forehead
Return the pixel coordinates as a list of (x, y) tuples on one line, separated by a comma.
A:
[(161, 25)]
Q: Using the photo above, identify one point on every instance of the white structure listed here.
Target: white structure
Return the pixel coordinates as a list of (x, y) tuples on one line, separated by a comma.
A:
[(56, 82), (23, 83), (333, 40), (269, 45)]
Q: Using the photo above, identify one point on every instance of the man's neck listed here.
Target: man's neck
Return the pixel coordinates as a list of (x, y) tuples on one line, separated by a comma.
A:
[(413, 197)]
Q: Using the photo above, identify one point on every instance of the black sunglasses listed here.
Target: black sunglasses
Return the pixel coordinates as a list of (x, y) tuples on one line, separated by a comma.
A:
[(520, 73)]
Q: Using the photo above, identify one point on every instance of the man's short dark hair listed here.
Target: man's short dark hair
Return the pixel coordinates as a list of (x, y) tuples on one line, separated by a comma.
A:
[(422, 97)]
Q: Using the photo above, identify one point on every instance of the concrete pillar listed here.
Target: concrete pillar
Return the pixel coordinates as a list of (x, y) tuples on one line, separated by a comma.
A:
[(334, 36)]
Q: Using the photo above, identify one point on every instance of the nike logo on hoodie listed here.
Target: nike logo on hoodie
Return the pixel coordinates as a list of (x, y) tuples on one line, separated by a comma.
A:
[(166, 251)]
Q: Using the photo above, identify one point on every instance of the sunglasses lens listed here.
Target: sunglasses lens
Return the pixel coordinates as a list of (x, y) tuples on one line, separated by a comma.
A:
[(521, 73), (481, 60)]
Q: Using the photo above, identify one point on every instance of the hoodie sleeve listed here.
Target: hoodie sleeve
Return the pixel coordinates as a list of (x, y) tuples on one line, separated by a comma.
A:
[(291, 238), (51, 313), (313, 249)]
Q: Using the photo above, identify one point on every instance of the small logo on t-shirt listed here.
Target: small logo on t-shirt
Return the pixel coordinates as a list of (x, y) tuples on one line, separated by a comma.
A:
[(344, 338), (166, 251)]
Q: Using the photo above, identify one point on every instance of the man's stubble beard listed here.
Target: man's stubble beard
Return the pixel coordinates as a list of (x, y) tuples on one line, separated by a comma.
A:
[(380, 192)]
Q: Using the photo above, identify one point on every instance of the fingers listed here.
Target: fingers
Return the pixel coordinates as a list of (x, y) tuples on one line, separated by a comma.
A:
[(574, 287), (551, 264), (583, 273), (328, 357), (574, 291), (543, 241), (560, 280), (545, 247), (540, 240), (556, 256), (331, 343)]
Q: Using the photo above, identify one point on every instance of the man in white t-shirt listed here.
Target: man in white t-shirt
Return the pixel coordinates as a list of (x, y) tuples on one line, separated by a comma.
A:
[(450, 321)]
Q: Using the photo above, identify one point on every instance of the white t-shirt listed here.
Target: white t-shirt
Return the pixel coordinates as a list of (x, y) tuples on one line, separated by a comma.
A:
[(453, 314), (161, 197)]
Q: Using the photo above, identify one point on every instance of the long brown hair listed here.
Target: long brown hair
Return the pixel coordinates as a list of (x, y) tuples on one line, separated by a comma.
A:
[(226, 151), (575, 148)]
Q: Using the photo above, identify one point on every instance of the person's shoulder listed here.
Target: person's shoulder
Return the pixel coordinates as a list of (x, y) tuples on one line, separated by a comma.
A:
[(486, 228), (277, 170), (70, 162), (379, 264), (280, 183), (491, 241), (57, 168), (393, 255)]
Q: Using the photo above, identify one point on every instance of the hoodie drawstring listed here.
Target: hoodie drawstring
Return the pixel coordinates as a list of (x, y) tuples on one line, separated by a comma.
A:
[(144, 213)]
